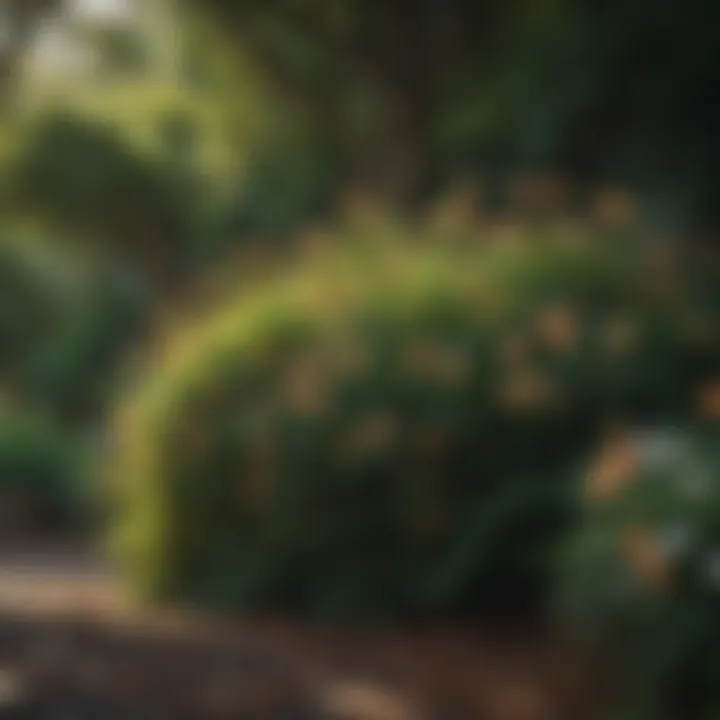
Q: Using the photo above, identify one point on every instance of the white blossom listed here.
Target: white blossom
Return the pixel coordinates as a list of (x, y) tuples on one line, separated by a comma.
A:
[(661, 449), (677, 539)]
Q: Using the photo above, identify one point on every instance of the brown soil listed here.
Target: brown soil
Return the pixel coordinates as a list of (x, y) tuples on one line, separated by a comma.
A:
[(72, 648)]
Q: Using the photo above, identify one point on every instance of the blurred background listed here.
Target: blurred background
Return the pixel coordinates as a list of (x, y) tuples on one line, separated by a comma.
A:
[(364, 312)]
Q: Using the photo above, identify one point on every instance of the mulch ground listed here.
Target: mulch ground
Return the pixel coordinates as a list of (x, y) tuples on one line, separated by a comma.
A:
[(71, 648)]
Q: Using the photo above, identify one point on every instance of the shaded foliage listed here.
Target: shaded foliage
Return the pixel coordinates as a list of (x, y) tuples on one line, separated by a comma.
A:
[(642, 572), (92, 186), (81, 368), (395, 427), (421, 91), (63, 330), (42, 485)]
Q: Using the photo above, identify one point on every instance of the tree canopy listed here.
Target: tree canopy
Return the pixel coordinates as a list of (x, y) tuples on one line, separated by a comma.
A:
[(406, 94)]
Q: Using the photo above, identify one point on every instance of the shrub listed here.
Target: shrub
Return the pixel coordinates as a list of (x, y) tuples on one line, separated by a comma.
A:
[(64, 327), (76, 374), (41, 482), (90, 184), (35, 297), (394, 426), (641, 574)]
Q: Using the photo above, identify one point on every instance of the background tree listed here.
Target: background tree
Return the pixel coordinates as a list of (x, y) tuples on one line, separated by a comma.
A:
[(370, 74), (404, 96)]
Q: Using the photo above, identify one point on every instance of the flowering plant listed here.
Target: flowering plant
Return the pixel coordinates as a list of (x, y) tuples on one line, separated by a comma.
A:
[(642, 572)]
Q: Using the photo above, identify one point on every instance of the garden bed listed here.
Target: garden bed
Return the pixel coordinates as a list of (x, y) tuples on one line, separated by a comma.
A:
[(72, 647)]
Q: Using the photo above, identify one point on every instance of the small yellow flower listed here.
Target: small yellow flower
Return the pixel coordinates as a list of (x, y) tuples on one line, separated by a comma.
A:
[(305, 386), (352, 701), (645, 554), (559, 328), (456, 214), (614, 470), (526, 391), (708, 400), (539, 192), (614, 207)]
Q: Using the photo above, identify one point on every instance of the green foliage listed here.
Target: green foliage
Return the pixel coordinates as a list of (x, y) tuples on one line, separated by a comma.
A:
[(620, 91), (627, 88), (80, 368), (287, 185), (616, 103), (41, 481), (91, 185), (393, 428), (64, 327), (642, 574), (35, 295)]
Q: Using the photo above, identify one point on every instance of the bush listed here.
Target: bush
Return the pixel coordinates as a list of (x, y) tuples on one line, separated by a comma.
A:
[(36, 296), (76, 375), (41, 486), (90, 184), (64, 329), (394, 427), (641, 574)]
